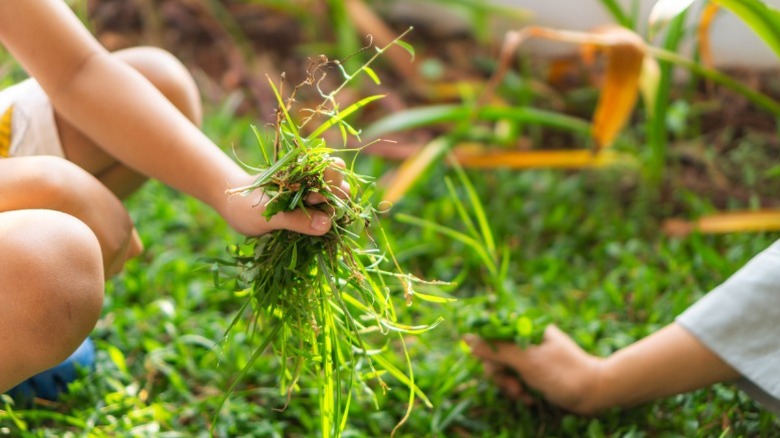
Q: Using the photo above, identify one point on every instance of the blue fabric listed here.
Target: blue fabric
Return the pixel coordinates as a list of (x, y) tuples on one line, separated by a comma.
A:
[(51, 383)]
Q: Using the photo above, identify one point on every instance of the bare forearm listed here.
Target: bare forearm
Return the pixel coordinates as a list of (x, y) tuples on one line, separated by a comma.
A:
[(145, 131), (126, 116), (113, 104), (670, 361)]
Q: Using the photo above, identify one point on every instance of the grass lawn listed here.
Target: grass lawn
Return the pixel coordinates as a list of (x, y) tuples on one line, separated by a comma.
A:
[(582, 249)]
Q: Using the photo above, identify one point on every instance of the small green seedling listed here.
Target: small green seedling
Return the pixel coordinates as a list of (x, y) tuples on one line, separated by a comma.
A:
[(523, 328)]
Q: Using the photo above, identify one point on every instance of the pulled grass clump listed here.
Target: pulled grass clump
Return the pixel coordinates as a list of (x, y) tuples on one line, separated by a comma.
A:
[(523, 328), (324, 304)]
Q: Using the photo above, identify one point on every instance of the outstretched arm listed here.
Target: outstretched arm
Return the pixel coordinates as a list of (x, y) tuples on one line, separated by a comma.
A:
[(117, 108), (668, 362)]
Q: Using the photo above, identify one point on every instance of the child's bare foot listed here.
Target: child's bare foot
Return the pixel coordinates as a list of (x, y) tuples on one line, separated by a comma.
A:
[(558, 368)]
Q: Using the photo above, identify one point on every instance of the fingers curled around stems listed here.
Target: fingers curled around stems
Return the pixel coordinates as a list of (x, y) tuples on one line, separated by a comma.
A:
[(508, 382), (505, 353), (497, 366), (243, 210), (305, 221), (334, 177), (315, 198)]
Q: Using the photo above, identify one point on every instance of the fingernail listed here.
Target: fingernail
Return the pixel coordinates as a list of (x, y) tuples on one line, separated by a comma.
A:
[(320, 222)]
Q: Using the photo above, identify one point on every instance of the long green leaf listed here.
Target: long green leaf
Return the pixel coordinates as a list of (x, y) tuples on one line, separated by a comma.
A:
[(762, 19), (618, 13), (756, 14), (411, 329), (283, 108), (268, 173), (245, 370), (756, 97), (461, 209), (430, 115), (477, 208), (463, 238), (398, 374), (434, 298), (341, 115)]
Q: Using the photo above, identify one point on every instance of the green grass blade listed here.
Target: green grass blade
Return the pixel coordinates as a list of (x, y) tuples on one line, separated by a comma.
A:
[(435, 114), (463, 238), (411, 329), (461, 209), (406, 46), (269, 173), (434, 298), (476, 206), (756, 97), (410, 402), (372, 74), (283, 108), (618, 13), (761, 18), (259, 138), (341, 115), (245, 370), (398, 374), (415, 118)]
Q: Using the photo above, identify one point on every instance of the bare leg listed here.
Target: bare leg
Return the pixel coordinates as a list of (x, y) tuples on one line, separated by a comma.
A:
[(52, 183), (668, 362), (51, 290), (168, 75), (51, 299)]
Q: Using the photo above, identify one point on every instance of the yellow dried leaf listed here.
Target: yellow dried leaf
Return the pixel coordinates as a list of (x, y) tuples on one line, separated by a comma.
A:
[(703, 33), (413, 168), (559, 159), (625, 53), (730, 222)]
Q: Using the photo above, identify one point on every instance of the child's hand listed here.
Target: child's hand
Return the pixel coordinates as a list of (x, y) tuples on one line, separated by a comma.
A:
[(245, 212), (558, 368)]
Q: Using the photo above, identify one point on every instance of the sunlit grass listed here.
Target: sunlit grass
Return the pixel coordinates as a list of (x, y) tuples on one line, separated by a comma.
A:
[(599, 269)]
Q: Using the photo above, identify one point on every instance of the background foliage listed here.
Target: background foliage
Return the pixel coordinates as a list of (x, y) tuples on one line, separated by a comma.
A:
[(586, 247)]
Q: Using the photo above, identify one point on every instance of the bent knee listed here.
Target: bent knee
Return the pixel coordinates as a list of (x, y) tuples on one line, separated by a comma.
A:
[(52, 177), (168, 75), (51, 273)]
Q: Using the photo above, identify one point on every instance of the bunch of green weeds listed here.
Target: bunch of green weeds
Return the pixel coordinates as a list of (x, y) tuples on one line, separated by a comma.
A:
[(324, 304)]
